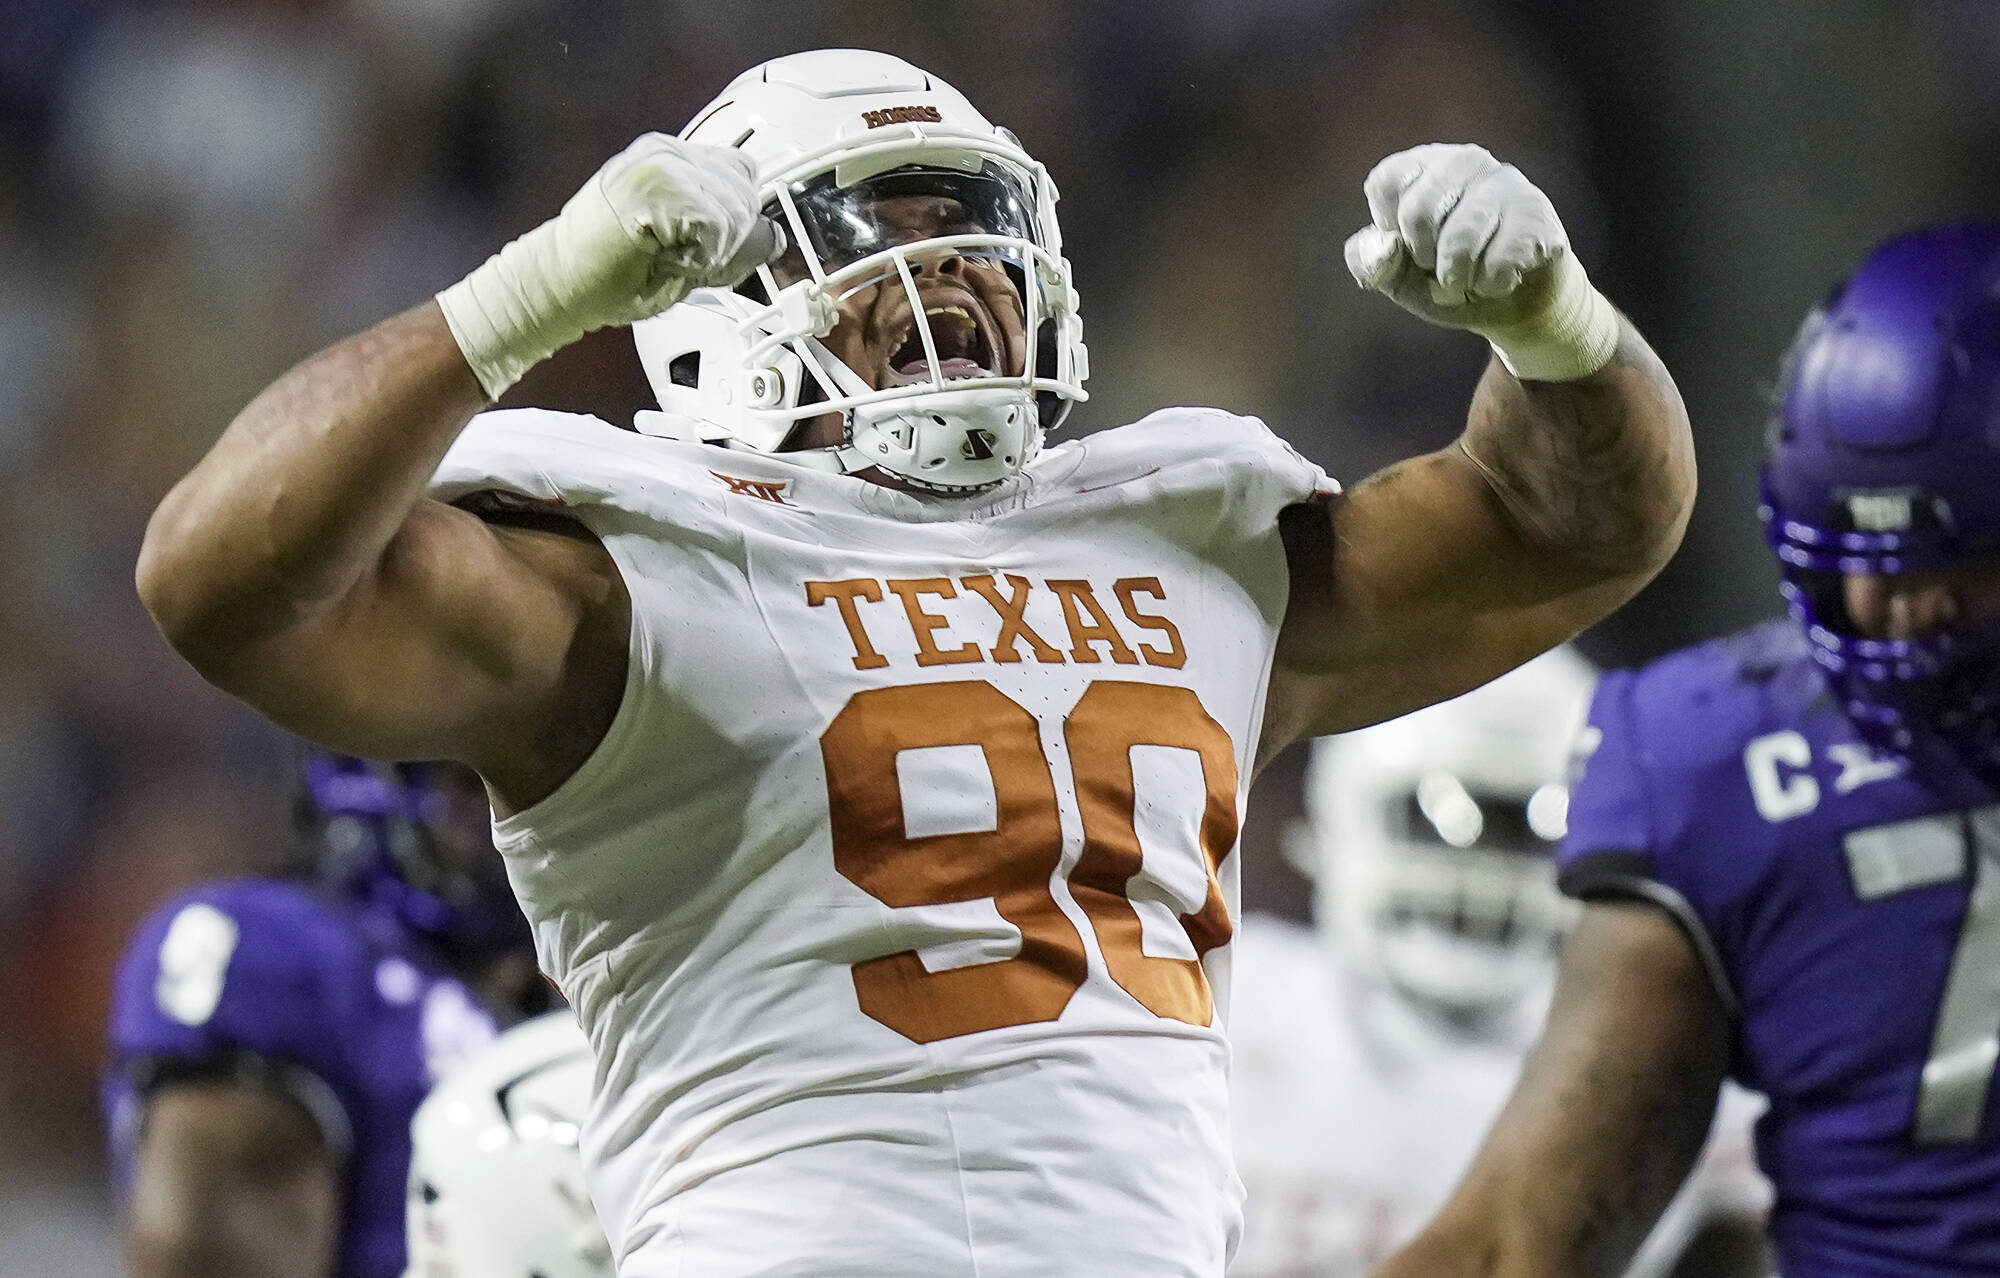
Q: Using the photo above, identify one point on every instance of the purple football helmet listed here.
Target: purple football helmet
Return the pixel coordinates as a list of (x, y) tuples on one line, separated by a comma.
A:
[(412, 838), (1884, 457)]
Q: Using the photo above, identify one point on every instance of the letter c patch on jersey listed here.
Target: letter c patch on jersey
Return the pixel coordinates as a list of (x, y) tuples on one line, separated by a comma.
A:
[(1780, 795)]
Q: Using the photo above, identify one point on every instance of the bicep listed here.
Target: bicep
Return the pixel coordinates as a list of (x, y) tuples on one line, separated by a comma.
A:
[(1610, 1111), (457, 625), (1556, 504), (232, 1179), (1415, 587)]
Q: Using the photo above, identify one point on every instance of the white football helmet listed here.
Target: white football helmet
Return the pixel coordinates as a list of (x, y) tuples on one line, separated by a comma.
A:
[(878, 173), (1431, 838), (496, 1182)]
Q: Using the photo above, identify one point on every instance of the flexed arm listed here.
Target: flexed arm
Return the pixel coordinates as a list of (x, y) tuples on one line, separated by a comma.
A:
[(1576, 427), (298, 565), (1567, 491), (306, 489), (1608, 1116)]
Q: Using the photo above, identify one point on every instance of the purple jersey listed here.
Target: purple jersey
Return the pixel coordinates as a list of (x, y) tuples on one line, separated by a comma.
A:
[(1847, 907), (326, 999)]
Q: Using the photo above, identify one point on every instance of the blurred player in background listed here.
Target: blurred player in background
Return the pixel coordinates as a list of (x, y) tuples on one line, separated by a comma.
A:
[(270, 1038), (1371, 1054), (496, 1180), (871, 774), (1789, 842)]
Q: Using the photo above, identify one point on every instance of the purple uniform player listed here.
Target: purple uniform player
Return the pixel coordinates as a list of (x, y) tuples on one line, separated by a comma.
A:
[(1789, 841), (271, 1038), (1847, 906)]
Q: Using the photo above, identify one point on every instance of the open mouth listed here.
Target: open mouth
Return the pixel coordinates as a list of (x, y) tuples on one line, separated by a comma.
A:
[(963, 347)]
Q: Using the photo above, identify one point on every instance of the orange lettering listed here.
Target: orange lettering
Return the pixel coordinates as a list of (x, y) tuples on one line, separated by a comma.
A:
[(1175, 656), (923, 623), (843, 594), (1077, 598), (1012, 626)]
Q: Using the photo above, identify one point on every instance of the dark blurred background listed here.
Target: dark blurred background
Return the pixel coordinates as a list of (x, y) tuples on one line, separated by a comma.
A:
[(196, 193)]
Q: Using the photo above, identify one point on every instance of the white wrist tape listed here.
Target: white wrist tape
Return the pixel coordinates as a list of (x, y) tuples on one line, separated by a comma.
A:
[(660, 217), (504, 317), (1572, 336)]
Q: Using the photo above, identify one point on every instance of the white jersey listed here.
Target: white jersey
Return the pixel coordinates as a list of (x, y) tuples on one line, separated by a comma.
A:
[(892, 899), (1355, 1114)]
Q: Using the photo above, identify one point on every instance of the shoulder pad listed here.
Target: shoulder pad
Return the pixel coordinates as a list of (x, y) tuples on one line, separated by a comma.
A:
[(1221, 469)]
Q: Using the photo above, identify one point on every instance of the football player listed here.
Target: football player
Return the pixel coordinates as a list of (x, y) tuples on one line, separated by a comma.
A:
[(1789, 844), (270, 1037), (496, 1182), (1372, 1053), (869, 772)]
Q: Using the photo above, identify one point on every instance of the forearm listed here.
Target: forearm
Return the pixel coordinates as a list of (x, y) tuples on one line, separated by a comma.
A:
[(304, 491), (1488, 1249), (1599, 469), (307, 488), (1540, 1217), (1436, 1254), (1729, 1245), (1609, 1113), (1526, 1228)]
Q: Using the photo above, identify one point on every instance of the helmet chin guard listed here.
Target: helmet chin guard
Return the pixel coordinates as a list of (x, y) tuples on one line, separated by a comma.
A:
[(882, 177), (952, 441)]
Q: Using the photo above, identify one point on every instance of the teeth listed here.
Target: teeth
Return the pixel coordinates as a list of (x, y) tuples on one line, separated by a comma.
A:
[(959, 311)]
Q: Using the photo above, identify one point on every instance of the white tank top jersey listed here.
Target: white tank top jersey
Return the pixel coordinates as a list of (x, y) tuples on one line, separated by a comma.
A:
[(1354, 1115), (894, 901)]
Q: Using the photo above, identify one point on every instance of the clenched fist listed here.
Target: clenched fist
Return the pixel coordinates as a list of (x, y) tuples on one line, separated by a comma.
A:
[(1465, 241), (661, 217)]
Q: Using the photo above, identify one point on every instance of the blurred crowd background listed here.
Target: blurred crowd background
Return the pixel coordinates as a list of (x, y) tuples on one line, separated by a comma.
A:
[(196, 193)]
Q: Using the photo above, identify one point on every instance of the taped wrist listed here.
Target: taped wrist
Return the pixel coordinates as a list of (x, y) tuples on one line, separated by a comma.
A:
[(1573, 336), (503, 316)]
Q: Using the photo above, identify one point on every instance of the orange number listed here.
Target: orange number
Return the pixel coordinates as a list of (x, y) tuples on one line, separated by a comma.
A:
[(1012, 864), (1112, 718)]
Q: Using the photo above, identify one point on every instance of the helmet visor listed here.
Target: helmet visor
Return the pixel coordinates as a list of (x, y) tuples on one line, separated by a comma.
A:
[(845, 224)]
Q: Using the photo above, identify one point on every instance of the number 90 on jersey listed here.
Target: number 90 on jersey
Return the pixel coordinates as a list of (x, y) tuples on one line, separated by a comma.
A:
[(1014, 862)]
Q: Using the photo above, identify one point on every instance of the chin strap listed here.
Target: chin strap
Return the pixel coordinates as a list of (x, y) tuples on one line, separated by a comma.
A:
[(826, 367), (1015, 424)]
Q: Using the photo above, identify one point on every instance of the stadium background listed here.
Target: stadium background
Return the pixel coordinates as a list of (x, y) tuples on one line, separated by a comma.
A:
[(195, 193)]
